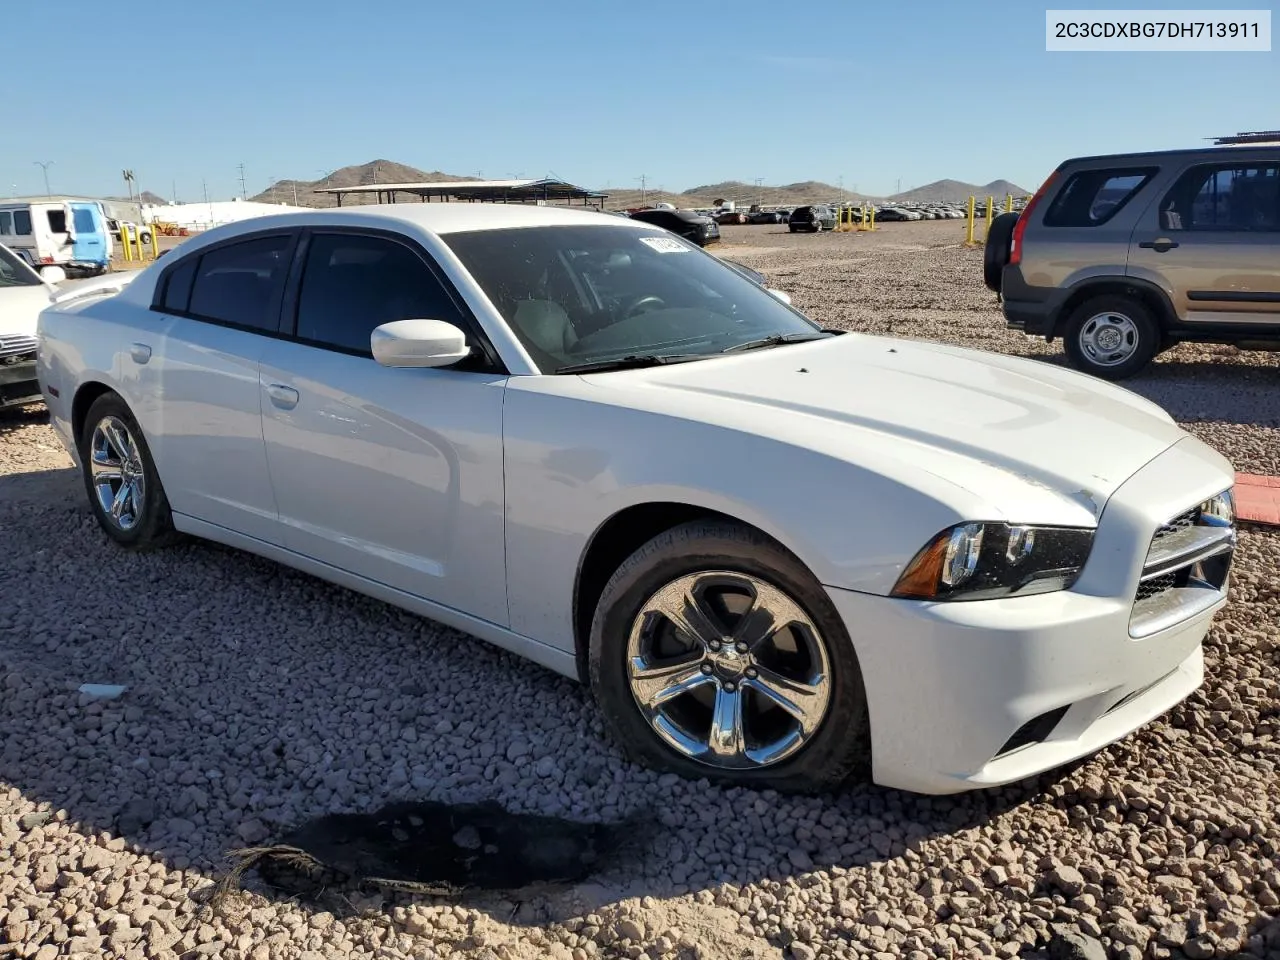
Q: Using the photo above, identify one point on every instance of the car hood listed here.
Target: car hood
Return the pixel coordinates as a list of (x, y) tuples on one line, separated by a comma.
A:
[(19, 308), (1000, 427)]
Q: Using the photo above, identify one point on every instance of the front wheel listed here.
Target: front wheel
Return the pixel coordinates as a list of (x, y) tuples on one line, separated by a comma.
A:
[(120, 477), (714, 653), (1112, 337)]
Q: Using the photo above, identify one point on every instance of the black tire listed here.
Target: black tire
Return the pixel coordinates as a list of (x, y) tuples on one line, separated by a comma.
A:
[(151, 523), (1144, 336), (839, 746), (995, 255)]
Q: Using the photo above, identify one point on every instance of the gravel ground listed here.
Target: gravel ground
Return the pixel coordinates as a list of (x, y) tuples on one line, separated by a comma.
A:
[(257, 697)]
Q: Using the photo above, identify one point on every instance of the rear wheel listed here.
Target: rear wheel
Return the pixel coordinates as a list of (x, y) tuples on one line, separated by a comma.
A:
[(120, 477), (714, 653), (1112, 337)]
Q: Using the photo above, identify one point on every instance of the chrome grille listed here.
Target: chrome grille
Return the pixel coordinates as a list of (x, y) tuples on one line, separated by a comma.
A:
[(1185, 571), (16, 346)]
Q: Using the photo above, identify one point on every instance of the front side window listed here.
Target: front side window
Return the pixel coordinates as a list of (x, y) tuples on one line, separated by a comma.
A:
[(237, 284), (57, 221), (6, 223), (1224, 197), (588, 294), (1092, 197), (15, 273), (352, 284)]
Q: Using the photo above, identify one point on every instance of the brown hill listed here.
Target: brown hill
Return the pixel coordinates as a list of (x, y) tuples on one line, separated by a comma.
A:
[(957, 191), (743, 194), (375, 171)]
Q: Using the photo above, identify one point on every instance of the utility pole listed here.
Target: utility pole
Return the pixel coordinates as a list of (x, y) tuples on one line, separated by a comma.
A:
[(295, 193), (644, 189), (45, 165), (899, 187), (173, 186), (759, 191), (204, 186), (244, 194)]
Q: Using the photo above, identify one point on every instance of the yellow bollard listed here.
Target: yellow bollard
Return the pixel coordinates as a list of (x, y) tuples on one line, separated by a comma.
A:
[(968, 237), (137, 239), (1008, 203), (124, 242), (873, 219), (991, 204)]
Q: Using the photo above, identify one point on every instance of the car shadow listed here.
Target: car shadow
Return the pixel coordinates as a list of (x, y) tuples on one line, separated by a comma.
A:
[(17, 418), (1231, 391)]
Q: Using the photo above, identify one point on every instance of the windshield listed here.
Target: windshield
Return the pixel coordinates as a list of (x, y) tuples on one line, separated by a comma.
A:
[(15, 273), (583, 294)]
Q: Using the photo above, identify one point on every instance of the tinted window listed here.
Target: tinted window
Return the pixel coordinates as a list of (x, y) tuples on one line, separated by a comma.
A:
[(582, 294), (177, 286), (1092, 197), (57, 221), (236, 284), (84, 221), (1221, 197), (22, 223), (15, 273), (352, 284), (6, 223)]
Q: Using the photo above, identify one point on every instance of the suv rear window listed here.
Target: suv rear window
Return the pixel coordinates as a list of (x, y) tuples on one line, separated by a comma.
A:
[(1226, 197), (801, 212), (1092, 197)]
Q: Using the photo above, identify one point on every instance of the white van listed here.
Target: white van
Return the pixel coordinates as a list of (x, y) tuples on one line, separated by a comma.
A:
[(71, 234)]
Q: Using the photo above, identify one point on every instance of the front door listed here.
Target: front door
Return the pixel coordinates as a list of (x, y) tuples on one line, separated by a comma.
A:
[(90, 235), (393, 474), (1214, 240)]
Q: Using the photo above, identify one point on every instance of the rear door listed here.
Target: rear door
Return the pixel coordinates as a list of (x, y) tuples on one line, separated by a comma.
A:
[(1213, 239), (53, 224), (90, 235), (197, 391)]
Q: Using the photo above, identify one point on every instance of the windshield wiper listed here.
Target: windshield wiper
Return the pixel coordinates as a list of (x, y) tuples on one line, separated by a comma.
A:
[(633, 361), (775, 341)]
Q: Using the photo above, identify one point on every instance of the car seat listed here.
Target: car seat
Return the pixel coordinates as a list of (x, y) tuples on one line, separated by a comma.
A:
[(547, 325)]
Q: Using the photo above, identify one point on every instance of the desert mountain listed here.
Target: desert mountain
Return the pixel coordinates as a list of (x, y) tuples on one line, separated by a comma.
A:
[(957, 191), (375, 171)]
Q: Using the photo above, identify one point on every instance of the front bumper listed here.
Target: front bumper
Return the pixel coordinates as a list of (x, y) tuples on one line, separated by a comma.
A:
[(18, 383), (979, 694)]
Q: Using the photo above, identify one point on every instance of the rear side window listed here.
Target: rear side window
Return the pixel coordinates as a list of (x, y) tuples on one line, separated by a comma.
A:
[(1092, 197), (237, 284), (1221, 197), (57, 221), (177, 287), (352, 284), (6, 224), (84, 221), (22, 223)]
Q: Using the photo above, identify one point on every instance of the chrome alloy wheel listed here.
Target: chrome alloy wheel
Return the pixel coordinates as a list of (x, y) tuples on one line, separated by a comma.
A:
[(1109, 339), (115, 466), (728, 670)]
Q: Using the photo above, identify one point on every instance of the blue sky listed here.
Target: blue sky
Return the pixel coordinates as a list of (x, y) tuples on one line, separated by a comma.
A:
[(596, 93)]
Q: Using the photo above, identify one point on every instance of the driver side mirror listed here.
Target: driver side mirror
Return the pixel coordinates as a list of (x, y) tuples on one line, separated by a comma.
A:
[(418, 343), (778, 294)]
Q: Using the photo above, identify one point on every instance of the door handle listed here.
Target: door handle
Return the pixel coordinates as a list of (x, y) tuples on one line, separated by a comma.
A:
[(1159, 245), (140, 352), (286, 398)]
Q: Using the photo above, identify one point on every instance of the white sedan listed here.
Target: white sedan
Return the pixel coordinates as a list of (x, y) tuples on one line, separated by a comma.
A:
[(23, 294), (780, 556)]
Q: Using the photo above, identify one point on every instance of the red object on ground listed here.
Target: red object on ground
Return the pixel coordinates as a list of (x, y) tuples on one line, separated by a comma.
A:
[(1258, 498)]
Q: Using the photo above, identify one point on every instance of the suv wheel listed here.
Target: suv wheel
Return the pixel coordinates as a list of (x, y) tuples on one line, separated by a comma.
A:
[(995, 254), (1111, 337)]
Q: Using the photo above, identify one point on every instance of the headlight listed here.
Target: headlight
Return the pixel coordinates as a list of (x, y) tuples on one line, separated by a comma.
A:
[(980, 561)]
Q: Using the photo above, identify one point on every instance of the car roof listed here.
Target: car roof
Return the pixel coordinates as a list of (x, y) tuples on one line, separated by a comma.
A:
[(441, 218), (1213, 154)]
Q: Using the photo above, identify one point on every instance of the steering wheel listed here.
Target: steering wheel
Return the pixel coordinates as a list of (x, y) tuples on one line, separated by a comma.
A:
[(643, 304)]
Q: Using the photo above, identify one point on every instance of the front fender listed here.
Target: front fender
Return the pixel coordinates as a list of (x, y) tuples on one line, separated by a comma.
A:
[(571, 465)]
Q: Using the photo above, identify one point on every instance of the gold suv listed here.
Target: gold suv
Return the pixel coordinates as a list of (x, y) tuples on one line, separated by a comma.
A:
[(1124, 256)]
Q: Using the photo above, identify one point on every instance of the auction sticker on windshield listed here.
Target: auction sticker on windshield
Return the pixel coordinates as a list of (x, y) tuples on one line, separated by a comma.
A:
[(666, 244)]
